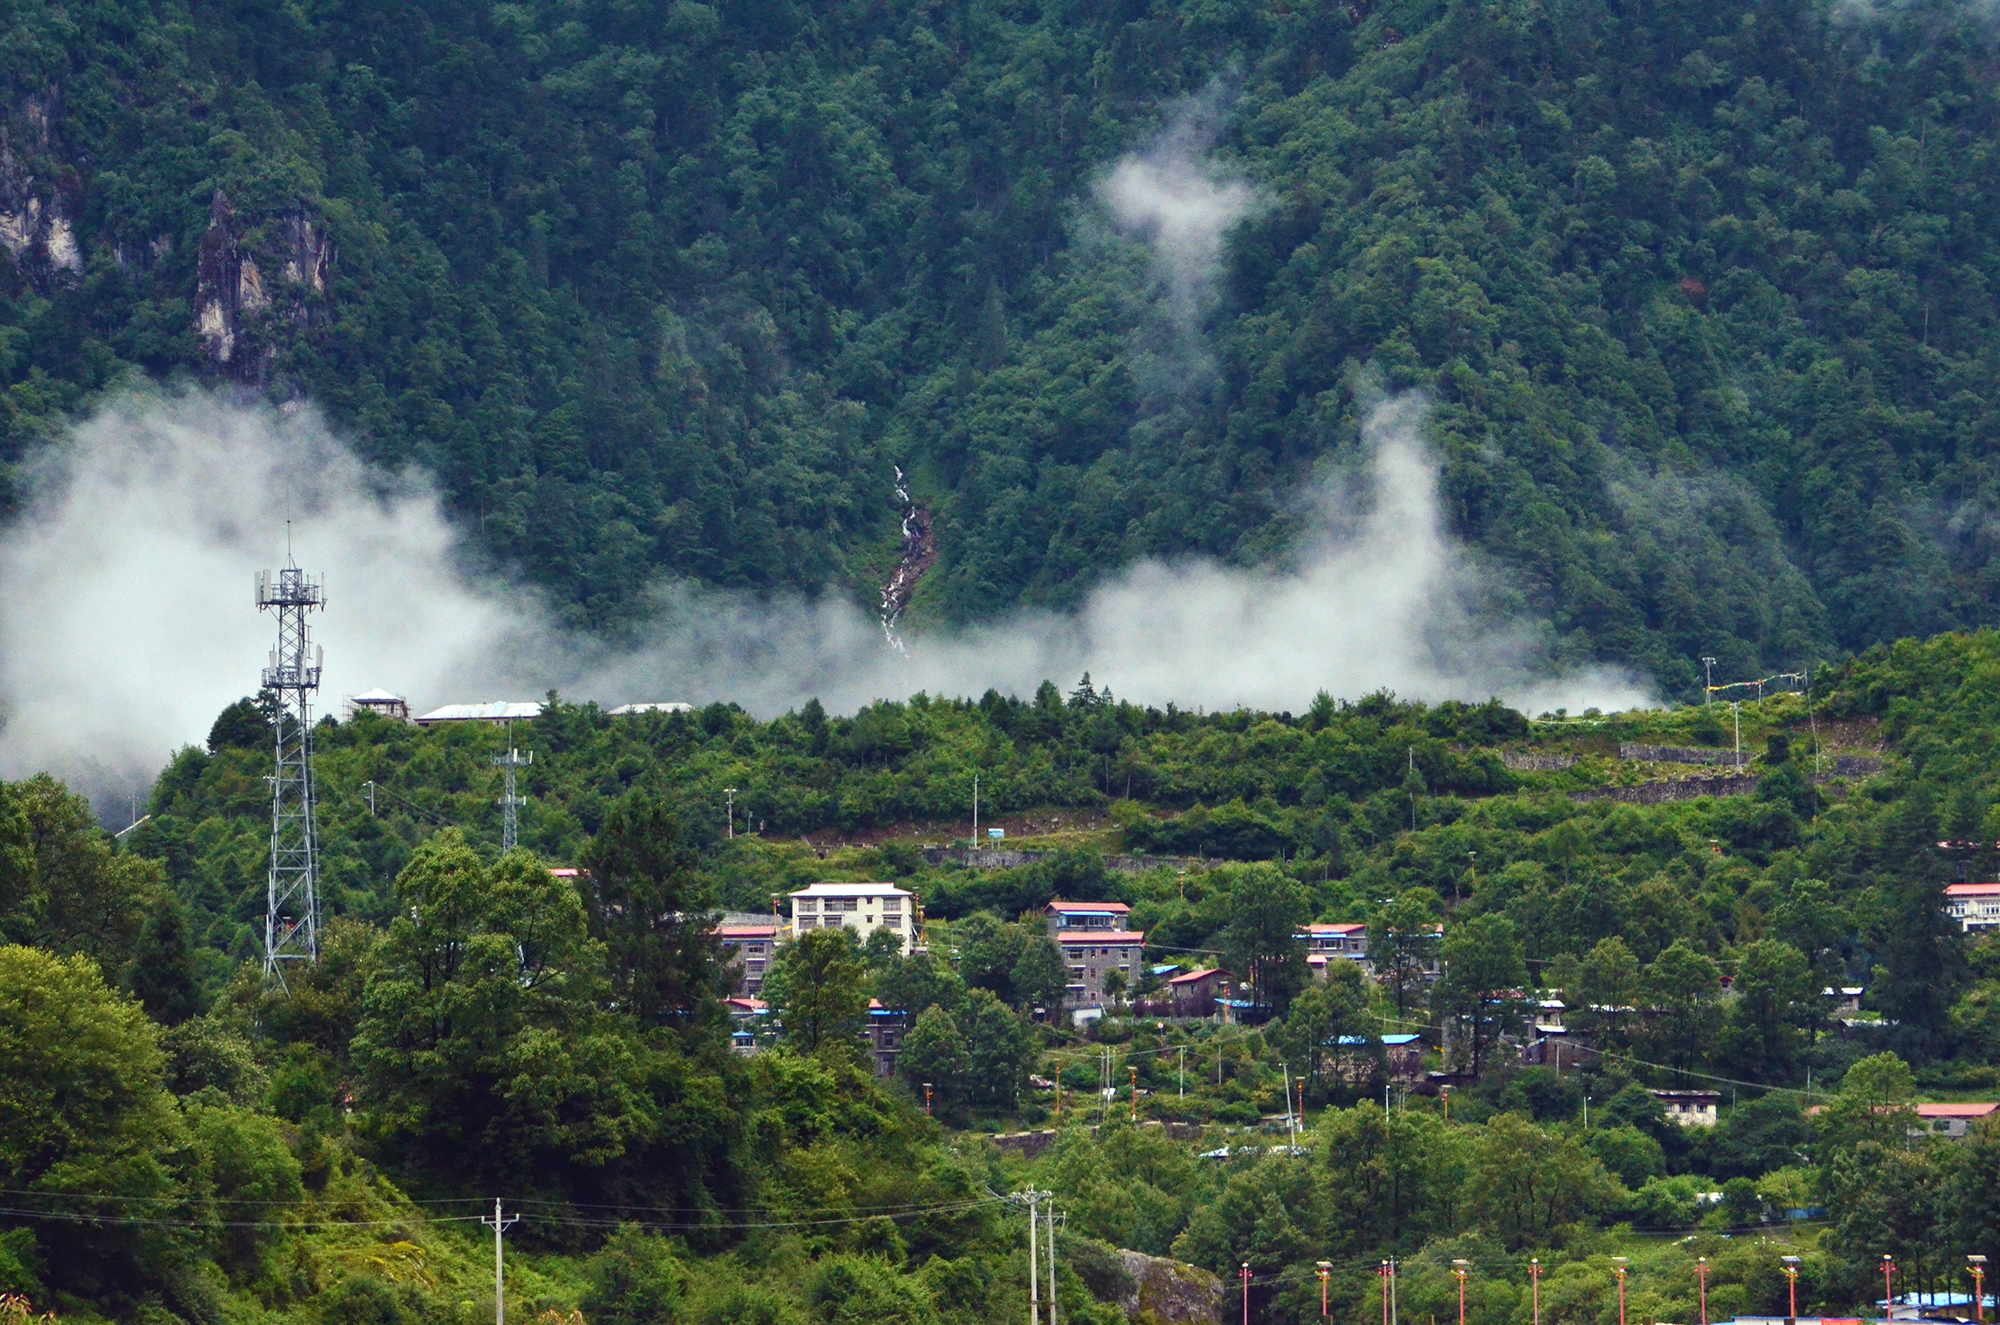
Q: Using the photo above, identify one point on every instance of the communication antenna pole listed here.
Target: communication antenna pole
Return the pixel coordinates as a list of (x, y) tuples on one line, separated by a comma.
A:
[(510, 825), (291, 897)]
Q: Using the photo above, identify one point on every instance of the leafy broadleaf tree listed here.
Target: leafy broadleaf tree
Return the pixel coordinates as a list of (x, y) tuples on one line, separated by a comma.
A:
[(1403, 942), (816, 983), (935, 1054), (1261, 941), (1320, 1017), (996, 1041), (1682, 990), (481, 1046), (1775, 998), (1481, 985)]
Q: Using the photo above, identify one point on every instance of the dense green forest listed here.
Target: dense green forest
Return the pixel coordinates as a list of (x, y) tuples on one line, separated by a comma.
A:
[(1701, 293), (182, 1139)]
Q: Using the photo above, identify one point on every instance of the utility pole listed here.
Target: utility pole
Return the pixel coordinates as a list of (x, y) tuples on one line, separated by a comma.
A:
[(1535, 1280), (730, 792), (1052, 1258), (1244, 1275), (1701, 1272), (1888, 1289), (1977, 1264), (499, 1226), (1183, 1071), (1708, 682), (1618, 1268), (975, 809), (1033, 1199), (1325, 1269), (1383, 1274), (1395, 1316), (1459, 1268), (510, 804), (291, 892), (1736, 712), (1135, 1092), (1791, 1273)]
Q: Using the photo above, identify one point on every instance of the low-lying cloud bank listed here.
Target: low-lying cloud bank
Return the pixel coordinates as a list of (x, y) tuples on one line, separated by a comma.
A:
[(125, 594)]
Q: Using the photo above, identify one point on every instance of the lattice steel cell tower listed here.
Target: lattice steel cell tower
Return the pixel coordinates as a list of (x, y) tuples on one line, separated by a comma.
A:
[(291, 907), (510, 804)]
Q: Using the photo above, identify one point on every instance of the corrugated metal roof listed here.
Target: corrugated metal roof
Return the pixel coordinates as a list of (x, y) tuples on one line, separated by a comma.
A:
[(493, 710), (652, 706)]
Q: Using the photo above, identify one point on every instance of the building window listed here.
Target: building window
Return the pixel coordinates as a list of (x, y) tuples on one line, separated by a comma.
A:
[(808, 922), (842, 904), (892, 904), (1076, 973), (892, 922), (804, 904)]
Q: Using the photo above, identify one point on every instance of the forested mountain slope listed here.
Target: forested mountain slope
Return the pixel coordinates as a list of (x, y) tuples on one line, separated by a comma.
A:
[(1702, 292)]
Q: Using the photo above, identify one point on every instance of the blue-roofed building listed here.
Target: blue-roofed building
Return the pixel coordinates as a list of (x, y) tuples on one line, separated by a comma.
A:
[(1402, 1056)]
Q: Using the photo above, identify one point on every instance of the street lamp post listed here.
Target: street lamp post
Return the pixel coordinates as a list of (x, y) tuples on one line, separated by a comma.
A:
[(1535, 1283), (1244, 1275), (1459, 1268), (927, 1099), (1701, 1271), (1618, 1268), (1888, 1289), (1325, 1269), (1977, 1264), (1384, 1273), (1791, 1265)]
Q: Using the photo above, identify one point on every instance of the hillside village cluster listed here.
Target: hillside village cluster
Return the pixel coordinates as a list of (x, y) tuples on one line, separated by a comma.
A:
[(1105, 959), (1101, 954)]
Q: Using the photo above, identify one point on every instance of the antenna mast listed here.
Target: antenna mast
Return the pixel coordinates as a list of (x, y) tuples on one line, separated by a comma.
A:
[(510, 828), (291, 906)]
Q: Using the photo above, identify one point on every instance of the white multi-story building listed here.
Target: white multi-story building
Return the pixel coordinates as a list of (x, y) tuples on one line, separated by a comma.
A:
[(861, 907), (1975, 906)]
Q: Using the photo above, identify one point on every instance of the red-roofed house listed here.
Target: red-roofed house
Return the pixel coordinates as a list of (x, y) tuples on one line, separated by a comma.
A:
[(1194, 994), (1951, 1120), (1975, 906), (1330, 943), (746, 952), (1094, 943)]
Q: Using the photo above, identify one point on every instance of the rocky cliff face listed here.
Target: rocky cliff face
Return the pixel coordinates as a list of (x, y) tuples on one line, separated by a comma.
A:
[(260, 282), (240, 319), (38, 209)]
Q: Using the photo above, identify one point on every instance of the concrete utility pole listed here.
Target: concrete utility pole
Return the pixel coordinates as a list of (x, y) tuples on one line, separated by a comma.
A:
[(1033, 1199), (499, 1226), (730, 792), (1708, 683), (1052, 1257)]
